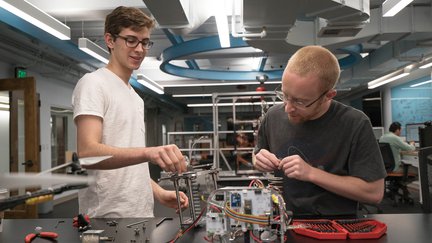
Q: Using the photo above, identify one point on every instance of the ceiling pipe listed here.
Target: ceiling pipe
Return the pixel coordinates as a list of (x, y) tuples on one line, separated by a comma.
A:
[(397, 50), (234, 32)]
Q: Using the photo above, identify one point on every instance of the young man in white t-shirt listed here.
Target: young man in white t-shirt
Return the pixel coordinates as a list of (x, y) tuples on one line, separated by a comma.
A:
[(109, 116)]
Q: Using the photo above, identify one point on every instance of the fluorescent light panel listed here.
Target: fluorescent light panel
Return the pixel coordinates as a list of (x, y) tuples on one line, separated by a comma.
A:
[(218, 84), (147, 82), (426, 65), (93, 49), (222, 24), (392, 7), (385, 80), (418, 84), (230, 104), (37, 17), (191, 95), (364, 54)]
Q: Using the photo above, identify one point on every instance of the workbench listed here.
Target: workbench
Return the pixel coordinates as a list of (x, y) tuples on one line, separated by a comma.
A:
[(401, 228)]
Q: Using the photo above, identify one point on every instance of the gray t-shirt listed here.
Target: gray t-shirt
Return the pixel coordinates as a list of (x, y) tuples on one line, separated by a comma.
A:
[(340, 142)]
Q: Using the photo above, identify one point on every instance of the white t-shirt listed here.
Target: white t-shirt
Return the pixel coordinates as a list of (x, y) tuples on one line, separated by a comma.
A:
[(124, 192)]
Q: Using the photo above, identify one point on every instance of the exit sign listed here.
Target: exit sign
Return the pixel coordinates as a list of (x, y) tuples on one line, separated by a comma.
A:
[(20, 72)]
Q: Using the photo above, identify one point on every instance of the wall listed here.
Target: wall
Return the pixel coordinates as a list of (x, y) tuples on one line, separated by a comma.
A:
[(4, 141), (412, 104), (52, 93), (5, 71), (406, 104)]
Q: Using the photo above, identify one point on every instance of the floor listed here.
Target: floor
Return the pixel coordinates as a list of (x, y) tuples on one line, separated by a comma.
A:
[(69, 209)]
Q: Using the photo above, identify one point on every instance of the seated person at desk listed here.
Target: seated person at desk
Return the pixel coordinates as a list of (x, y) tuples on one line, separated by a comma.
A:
[(397, 145), (326, 151)]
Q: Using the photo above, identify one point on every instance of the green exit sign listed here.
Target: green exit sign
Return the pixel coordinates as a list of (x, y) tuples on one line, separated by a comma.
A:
[(20, 72)]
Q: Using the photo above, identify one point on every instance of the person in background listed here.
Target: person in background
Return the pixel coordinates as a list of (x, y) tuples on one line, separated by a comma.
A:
[(396, 144), (244, 157), (109, 116), (325, 151)]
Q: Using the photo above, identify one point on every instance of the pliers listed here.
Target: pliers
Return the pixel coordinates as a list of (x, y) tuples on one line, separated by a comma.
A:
[(38, 233)]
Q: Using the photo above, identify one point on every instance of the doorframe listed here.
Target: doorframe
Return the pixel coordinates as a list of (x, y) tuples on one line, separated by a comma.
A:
[(32, 138)]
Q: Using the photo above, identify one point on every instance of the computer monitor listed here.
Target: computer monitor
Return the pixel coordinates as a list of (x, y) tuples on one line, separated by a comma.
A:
[(378, 132), (425, 136), (412, 132)]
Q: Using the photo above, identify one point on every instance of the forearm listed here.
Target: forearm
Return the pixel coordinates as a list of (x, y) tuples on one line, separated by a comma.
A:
[(121, 157), (156, 190), (348, 186)]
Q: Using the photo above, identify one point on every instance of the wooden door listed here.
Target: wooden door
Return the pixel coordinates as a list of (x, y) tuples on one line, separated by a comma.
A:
[(24, 141)]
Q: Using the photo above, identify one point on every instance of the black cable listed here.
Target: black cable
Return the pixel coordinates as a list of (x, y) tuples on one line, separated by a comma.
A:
[(13, 201)]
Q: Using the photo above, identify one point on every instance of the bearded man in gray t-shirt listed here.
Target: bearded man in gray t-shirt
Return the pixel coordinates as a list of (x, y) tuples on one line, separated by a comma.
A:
[(325, 151)]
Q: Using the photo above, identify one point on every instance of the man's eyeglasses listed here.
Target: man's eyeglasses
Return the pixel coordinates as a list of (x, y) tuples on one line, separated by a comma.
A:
[(132, 41), (295, 102)]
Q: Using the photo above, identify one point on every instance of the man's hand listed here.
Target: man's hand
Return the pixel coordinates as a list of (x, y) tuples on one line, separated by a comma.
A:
[(169, 199), (266, 161), (295, 167), (168, 157)]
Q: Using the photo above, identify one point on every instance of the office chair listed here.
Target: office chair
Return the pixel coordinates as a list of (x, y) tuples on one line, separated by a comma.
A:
[(396, 181)]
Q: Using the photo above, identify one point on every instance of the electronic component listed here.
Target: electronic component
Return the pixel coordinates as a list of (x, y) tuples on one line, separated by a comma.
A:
[(249, 210), (235, 200), (216, 223), (220, 197)]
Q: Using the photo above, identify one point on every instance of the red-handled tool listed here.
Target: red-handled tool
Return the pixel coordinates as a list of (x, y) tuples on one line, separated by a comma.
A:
[(82, 222), (38, 233)]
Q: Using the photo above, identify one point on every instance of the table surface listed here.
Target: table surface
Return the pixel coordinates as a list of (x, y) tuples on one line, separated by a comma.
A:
[(400, 228), (413, 152)]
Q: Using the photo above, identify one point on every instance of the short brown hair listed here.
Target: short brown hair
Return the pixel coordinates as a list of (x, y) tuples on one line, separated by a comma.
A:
[(127, 17), (394, 127), (316, 60)]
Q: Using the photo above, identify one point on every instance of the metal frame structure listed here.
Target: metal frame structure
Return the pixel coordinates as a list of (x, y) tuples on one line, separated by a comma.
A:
[(235, 97), (189, 177)]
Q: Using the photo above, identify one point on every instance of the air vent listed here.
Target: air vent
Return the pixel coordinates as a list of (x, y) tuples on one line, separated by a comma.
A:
[(339, 31)]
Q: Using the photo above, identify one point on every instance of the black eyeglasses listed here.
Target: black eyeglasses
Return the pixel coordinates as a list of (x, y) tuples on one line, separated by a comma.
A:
[(297, 103), (133, 42)]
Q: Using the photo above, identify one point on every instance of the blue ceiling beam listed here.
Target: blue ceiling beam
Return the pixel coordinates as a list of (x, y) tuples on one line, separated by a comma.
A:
[(65, 47), (206, 44), (353, 56), (262, 64), (176, 40), (212, 43)]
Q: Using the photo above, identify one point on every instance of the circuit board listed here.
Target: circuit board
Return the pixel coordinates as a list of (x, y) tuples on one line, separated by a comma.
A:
[(245, 209)]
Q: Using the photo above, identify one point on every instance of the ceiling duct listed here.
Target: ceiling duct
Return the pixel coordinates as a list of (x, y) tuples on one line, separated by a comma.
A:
[(337, 30), (181, 16), (332, 19)]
